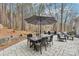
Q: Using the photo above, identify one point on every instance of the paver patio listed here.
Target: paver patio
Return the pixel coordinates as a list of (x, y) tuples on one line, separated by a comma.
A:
[(69, 48)]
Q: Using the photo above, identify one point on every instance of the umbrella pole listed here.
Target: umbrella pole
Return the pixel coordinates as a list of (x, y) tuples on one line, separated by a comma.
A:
[(40, 28)]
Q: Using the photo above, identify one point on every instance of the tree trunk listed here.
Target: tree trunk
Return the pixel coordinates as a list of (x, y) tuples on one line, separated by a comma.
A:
[(61, 17), (22, 14), (55, 29), (10, 20)]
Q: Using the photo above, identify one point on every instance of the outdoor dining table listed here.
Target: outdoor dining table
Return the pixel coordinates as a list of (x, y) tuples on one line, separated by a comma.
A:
[(37, 39), (46, 35)]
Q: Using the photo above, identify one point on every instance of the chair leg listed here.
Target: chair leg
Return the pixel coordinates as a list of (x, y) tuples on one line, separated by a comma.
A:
[(27, 42), (40, 49), (72, 38), (45, 47), (30, 44), (35, 47), (52, 43), (65, 39)]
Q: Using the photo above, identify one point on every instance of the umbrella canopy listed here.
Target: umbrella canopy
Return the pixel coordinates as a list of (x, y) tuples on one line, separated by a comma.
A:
[(40, 20), (43, 20)]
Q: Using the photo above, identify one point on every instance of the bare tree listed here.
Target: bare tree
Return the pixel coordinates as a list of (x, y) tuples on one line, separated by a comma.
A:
[(61, 17)]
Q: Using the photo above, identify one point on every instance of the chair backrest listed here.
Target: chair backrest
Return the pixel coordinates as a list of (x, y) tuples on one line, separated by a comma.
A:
[(37, 34), (58, 35), (49, 32), (45, 32), (29, 35), (44, 39), (61, 36), (51, 38), (55, 32)]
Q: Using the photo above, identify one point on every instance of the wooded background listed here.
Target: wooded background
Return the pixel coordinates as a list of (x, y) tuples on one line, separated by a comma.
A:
[(12, 15)]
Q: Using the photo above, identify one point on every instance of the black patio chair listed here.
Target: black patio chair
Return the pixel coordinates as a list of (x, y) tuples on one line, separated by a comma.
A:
[(61, 38), (66, 35), (45, 32), (40, 43), (70, 36), (29, 35), (49, 32), (55, 32), (50, 40), (37, 34), (28, 38), (44, 42)]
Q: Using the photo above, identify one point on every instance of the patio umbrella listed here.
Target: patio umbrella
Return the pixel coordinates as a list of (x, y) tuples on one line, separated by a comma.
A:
[(40, 20)]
